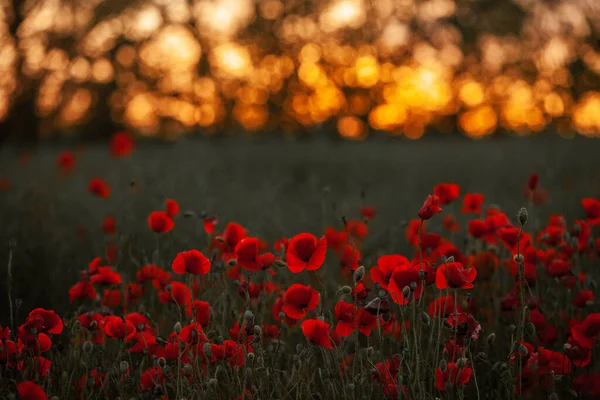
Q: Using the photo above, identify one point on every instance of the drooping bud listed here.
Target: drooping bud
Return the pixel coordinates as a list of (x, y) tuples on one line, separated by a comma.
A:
[(346, 290), (425, 318), (123, 367), (213, 383), (88, 346), (162, 362), (257, 330), (491, 338), (359, 274), (522, 215), (406, 292)]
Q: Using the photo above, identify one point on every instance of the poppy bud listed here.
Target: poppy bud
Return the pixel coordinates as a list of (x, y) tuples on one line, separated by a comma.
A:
[(370, 351), (220, 239), (482, 356), (207, 350), (567, 346), (512, 328), (522, 215), (123, 367), (281, 315), (382, 293), (88, 346), (491, 338), (299, 348), (168, 288), (189, 214), (522, 350), (425, 318), (213, 383), (350, 387), (413, 286), (422, 274), (346, 290), (248, 314), (250, 357), (461, 362), (232, 262), (406, 292), (257, 330), (359, 274), (188, 369), (443, 365), (162, 362), (177, 328), (280, 264), (519, 258)]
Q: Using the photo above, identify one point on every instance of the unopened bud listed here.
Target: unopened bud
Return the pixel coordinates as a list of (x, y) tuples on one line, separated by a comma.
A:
[(522, 215), (522, 350), (248, 314), (220, 239), (422, 274), (280, 264), (346, 290), (425, 318), (491, 338), (359, 274), (188, 369), (213, 383), (88, 346), (18, 302), (257, 330), (413, 286), (207, 350), (512, 328), (461, 362), (232, 262), (123, 367), (162, 362), (250, 357), (482, 356), (406, 292), (281, 315), (443, 365), (519, 258), (370, 351), (567, 346)]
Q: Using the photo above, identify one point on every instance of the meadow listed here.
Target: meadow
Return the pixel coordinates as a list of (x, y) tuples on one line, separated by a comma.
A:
[(386, 269)]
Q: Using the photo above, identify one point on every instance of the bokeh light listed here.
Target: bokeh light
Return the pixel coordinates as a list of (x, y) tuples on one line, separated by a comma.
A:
[(400, 67)]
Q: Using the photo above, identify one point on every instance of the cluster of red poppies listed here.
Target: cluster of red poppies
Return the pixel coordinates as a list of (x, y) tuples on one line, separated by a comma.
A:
[(427, 306)]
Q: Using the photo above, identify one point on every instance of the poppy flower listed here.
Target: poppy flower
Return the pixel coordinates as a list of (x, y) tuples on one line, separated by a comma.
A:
[(305, 252), (447, 192), (112, 298), (119, 328), (209, 224), (193, 334), (382, 272), (430, 207), (588, 384), (152, 377), (533, 181), (558, 268), (454, 275), (403, 276), (464, 326), (109, 225), (29, 390), (478, 228), (176, 292), (46, 321), (345, 314), (171, 208), (202, 313), (82, 290), (453, 374), (317, 332), (367, 212), (159, 277), (65, 161), (299, 300), (278, 313), (247, 256), (99, 188), (472, 203), (281, 244), (121, 144), (587, 332), (592, 209), (336, 240), (42, 363), (192, 261), (583, 298), (450, 223), (160, 222), (549, 362), (105, 276), (357, 229), (232, 234)]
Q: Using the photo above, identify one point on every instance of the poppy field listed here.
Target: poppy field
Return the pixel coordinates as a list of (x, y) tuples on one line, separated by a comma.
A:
[(453, 295)]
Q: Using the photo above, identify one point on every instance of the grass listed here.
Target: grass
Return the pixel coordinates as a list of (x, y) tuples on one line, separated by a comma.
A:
[(523, 330)]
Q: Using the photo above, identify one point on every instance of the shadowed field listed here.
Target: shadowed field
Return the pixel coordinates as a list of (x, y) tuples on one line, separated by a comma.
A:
[(273, 188)]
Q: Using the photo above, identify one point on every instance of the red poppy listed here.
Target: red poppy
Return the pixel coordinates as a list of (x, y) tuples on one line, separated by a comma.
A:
[(209, 224), (160, 222), (171, 208), (176, 292), (587, 332), (454, 275), (299, 300), (99, 188), (447, 192), (472, 203), (430, 207), (82, 290), (119, 328), (109, 225), (317, 332), (46, 321), (140, 322), (29, 390), (557, 268), (192, 261), (549, 362), (403, 276), (583, 298), (336, 240), (533, 181), (464, 326), (105, 276), (450, 223), (121, 144), (65, 161), (357, 229), (229, 350), (202, 313), (248, 258), (133, 292), (382, 272), (588, 384), (112, 298), (478, 228), (412, 231), (159, 277), (367, 212), (278, 313), (443, 306), (232, 234), (345, 314), (305, 252), (592, 210), (42, 366), (453, 375), (152, 377)]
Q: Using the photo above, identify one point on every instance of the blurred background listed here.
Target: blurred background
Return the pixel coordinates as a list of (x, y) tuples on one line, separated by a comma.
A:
[(349, 68)]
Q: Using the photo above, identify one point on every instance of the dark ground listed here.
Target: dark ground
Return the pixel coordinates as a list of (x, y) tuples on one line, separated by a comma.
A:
[(273, 188)]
